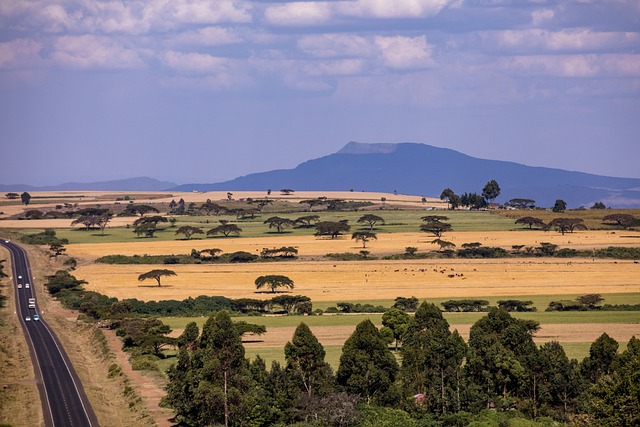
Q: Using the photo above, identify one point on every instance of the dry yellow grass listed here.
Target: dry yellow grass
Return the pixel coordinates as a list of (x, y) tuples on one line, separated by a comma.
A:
[(367, 280)]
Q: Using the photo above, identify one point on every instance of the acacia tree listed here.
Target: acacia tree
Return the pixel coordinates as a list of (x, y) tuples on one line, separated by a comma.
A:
[(274, 281), (103, 220), (371, 219), (530, 221), (156, 275), (140, 209), (433, 224), (26, 198), (313, 202), (332, 228), (564, 225), (279, 223), (188, 231), (621, 220), (307, 221), (148, 225), (364, 237), (225, 229), (87, 220)]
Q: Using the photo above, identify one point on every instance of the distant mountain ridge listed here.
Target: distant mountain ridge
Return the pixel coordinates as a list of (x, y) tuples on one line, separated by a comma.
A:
[(130, 184), (421, 169)]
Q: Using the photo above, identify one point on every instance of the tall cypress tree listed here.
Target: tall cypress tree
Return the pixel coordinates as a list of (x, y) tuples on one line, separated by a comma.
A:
[(432, 360), (367, 366)]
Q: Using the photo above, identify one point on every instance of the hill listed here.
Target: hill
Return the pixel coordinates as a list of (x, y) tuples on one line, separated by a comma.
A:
[(421, 169), (130, 184)]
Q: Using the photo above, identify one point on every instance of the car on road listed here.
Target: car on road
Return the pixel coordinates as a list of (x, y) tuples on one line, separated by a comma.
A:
[(7, 241), (19, 285), (26, 285), (36, 317), (28, 318), (19, 276)]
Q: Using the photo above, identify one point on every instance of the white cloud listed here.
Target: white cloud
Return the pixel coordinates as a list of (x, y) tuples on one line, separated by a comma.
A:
[(593, 65), (209, 36), (195, 62), (336, 45), (94, 52), (342, 67), (392, 8), (298, 13), (405, 52), (566, 40), (19, 53), (541, 16)]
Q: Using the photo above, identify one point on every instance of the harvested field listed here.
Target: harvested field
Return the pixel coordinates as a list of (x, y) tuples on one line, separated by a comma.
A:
[(366, 280)]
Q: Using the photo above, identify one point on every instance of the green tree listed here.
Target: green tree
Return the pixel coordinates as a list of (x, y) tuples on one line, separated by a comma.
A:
[(26, 198), (602, 355), (87, 220), (559, 206), (140, 209), (371, 219), (447, 194), (63, 280), (274, 281), (147, 226), (397, 321), (332, 228), (364, 237), (530, 221), (432, 358), (307, 221), (225, 229), (12, 196), (306, 366), (156, 275), (367, 367), (564, 225), (491, 190), (279, 223), (188, 231), (519, 203), (314, 202), (561, 377), (57, 249), (621, 220)]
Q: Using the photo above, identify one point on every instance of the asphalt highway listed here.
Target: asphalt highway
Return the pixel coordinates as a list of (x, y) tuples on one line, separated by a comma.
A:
[(64, 402)]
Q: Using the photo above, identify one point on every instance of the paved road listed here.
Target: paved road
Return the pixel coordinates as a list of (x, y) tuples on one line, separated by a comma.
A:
[(64, 402)]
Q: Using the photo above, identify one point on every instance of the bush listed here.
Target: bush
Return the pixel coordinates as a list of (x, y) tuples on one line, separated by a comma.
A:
[(144, 363)]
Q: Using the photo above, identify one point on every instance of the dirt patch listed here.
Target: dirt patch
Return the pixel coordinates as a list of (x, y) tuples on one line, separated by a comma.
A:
[(149, 388)]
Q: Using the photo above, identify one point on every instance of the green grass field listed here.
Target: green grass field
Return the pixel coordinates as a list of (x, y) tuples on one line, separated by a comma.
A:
[(396, 221)]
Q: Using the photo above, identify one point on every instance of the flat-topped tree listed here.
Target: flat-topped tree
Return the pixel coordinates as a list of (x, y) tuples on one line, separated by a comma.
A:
[(279, 223), (364, 237), (434, 225), (188, 231), (519, 203), (564, 225), (371, 219), (332, 228), (140, 209), (313, 202), (307, 221), (621, 220), (148, 225), (225, 229), (530, 221), (274, 281), (156, 275)]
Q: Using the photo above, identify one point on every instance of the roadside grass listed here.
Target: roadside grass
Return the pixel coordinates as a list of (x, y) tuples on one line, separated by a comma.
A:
[(396, 221)]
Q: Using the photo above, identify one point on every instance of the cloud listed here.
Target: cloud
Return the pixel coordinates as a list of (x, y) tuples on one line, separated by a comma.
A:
[(19, 53), (298, 13), (336, 45), (195, 62), (386, 9), (89, 51), (592, 65), (541, 16), (575, 40), (208, 36), (405, 52)]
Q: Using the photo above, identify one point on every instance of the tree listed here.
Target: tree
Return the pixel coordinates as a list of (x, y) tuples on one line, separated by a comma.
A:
[(274, 281), (103, 220), (140, 209), (491, 190), (371, 220), (519, 203), (516, 305), (332, 228), (156, 275), (559, 206), (561, 376), (225, 229), (210, 206), (307, 221), (396, 321), (12, 196), (189, 231), (530, 221), (314, 202), (602, 355), (279, 223), (26, 198), (57, 249), (434, 225), (590, 301), (286, 191), (306, 366), (598, 205), (432, 358), (621, 220), (291, 303), (447, 194), (564, 225), (148, 225), (62, 280), (367, 367), (364, 237)]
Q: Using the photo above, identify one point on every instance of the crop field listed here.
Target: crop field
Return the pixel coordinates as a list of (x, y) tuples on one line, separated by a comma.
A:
[(373, 280)]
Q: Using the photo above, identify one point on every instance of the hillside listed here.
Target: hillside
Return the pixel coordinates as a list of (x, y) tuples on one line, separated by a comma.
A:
[(421, 169)]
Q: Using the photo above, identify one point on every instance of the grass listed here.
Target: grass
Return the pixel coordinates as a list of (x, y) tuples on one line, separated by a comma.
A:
[(396, 221)]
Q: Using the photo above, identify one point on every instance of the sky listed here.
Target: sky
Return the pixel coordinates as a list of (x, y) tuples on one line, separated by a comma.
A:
[(205, 91)]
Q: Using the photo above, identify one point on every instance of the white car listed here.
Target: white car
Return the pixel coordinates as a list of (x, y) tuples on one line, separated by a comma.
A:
[(28, 318), (7, 241), (26, 285), (19, 277), (36, 317), (19, 285)]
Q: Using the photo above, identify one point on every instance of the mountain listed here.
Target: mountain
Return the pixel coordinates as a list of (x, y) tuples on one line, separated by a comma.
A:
[(130, 184), (422, 169)]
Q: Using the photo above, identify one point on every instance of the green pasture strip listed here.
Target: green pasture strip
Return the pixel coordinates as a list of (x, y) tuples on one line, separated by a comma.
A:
[(396, 221), (270, 354), (539, 301)]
